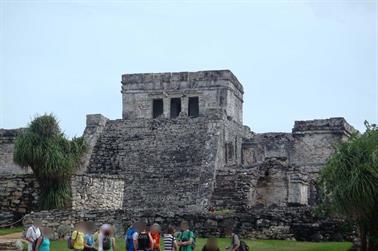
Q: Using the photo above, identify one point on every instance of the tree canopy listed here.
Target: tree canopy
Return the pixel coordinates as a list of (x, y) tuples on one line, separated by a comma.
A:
[(52, 157), (350, 183)]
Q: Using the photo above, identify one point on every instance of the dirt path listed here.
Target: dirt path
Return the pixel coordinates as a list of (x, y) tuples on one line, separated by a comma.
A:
[(11, 236)]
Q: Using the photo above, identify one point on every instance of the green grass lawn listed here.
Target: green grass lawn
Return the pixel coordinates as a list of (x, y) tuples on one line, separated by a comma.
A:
[(4, 231), (260, 245)]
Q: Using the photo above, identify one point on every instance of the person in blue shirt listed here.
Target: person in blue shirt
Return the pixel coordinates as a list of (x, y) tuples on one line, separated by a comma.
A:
[(131, 232), (43, 242), (89, 238)]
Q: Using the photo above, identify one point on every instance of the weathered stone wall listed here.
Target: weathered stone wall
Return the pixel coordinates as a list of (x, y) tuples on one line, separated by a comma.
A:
[(310, 144), (95, 125), (217, 91), (97, 192), (232, 145), (270, 183), (232, 190), (168, 164), (18, 189), (315, 141), (272, 171), (265, 146), (63, 221), (264, 223), (18, 195), (11, 245), (7, 140)]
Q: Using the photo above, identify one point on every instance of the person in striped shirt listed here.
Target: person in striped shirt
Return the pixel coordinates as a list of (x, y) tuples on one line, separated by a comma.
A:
[(170, 243)]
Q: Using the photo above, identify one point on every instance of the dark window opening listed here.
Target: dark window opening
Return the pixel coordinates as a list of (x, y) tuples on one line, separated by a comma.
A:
[(193, 108), (157, 108), (175, 107)]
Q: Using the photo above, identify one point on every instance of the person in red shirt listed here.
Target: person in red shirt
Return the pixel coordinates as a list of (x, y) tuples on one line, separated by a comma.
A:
[(155, 234)]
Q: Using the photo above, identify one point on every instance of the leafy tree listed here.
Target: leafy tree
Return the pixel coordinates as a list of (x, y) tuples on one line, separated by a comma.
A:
[(350, 183), (52, 157)]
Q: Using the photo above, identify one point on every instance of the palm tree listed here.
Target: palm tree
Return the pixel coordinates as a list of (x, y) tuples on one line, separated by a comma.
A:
[(52, 157), (350, 183)]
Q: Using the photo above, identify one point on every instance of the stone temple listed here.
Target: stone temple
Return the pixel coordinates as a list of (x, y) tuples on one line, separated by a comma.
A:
[(181, 150)]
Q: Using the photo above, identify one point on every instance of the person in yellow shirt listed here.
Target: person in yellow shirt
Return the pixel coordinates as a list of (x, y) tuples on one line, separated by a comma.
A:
[(95, 238), (78, 237)]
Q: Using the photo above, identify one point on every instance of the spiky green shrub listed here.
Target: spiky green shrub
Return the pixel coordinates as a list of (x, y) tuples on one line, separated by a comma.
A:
[(350, 183), (52, 157)]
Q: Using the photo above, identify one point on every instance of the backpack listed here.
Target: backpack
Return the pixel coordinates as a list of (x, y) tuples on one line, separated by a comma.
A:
[(34, 244), (243, 246), (194, 241), (143, 241), (70, 241), (107, 243), (129, 238)]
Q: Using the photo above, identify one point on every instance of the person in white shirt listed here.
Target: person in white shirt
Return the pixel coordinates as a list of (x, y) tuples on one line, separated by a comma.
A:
[(170, 243), (32, 234), (104, 228)]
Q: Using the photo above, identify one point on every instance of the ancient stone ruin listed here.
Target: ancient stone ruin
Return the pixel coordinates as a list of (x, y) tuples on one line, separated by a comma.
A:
[(181, 151)]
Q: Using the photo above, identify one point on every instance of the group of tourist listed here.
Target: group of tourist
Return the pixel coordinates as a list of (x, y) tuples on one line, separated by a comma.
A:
[(34, 237), (138, 237)]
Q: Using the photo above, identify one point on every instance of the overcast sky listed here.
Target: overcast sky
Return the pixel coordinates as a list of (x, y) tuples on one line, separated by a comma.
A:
[(296, 59)]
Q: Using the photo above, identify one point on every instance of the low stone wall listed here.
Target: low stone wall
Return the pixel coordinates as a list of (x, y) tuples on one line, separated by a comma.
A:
[(6, 217), (97, 192), (62, 222), (18, 195), (11, 245), (295, 223)]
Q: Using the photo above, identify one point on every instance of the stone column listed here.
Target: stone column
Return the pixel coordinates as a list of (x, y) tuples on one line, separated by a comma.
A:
[(184, 105), (298, 189), (166, 107)]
